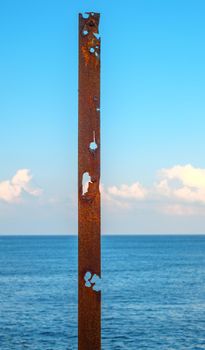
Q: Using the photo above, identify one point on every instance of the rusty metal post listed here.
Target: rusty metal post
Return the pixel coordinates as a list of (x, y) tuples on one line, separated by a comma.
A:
[(89, 254)]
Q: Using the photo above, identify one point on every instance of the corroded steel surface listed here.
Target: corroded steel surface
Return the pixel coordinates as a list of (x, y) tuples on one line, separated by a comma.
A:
[(89, 260)]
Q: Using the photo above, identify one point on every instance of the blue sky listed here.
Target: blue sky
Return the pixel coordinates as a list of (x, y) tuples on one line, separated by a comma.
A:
[(152, 120)]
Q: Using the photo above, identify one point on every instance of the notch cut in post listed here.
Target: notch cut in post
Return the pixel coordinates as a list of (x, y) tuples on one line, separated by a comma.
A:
[(89, 230)]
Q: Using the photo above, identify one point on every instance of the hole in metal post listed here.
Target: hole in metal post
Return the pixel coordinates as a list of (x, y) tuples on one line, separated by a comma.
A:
[(85, 183), (97, 35), (93, 281), (87, 278), (93, 145), (86, 15), (85, 32), (92, 50)]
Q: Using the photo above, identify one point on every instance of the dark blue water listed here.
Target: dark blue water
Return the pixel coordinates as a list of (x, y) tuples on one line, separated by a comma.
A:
[(153, 298)]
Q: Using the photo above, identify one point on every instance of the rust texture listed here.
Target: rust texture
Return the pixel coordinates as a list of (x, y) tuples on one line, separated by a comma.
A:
[(89, 251)]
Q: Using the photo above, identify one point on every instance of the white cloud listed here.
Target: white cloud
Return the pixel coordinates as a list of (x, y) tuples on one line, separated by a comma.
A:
[(12, 190), (110, 200), (179, 190), (134, 191), (184, 183), (187, 174)]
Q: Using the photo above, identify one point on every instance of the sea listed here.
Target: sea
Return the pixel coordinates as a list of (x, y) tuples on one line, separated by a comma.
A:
[(153, 292)]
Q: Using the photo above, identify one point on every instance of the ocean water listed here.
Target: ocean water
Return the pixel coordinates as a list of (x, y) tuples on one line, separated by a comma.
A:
[(153, 293)]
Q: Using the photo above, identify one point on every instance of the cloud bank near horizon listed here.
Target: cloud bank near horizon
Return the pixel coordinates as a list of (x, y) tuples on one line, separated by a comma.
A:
[(174, 202), (179, 190)]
